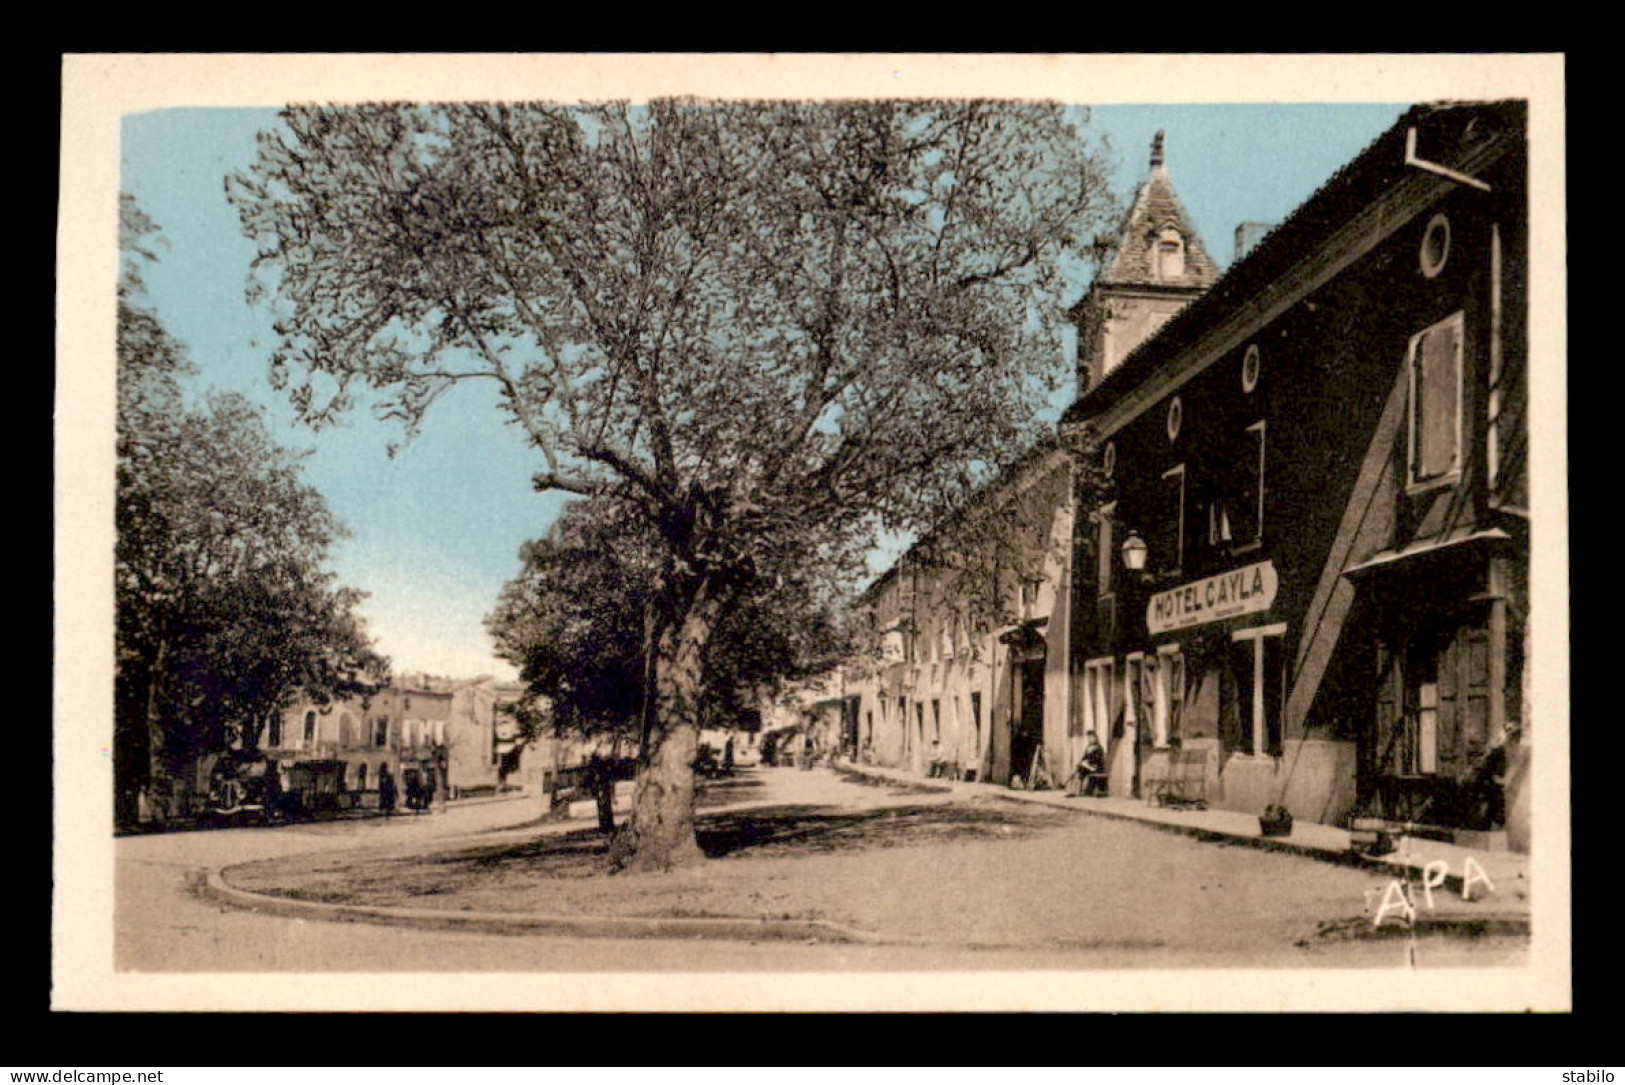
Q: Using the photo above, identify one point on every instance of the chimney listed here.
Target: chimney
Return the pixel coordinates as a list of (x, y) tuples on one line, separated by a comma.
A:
[(1249, 234)]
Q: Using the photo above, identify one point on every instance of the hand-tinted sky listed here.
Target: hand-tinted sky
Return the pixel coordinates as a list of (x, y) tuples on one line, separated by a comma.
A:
[(436, 530)]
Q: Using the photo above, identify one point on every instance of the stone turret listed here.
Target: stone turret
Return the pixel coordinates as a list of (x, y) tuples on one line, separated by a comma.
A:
[(1154, 267)]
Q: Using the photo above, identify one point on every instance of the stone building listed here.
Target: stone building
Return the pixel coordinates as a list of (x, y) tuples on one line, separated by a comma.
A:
[(1308, 567), (450, 735)]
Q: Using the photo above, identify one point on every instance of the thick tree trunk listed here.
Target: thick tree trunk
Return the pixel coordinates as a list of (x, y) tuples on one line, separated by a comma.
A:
[(660, 833), (157, 766), (132, 746)]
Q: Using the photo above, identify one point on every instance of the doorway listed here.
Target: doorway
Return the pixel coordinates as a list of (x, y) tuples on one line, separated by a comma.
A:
[(1027, 730)]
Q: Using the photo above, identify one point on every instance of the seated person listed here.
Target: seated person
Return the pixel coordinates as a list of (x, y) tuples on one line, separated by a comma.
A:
[(1092, 768)]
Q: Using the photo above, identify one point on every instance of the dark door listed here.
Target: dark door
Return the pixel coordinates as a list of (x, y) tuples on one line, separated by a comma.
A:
[(1432, 722), (1028, 726)]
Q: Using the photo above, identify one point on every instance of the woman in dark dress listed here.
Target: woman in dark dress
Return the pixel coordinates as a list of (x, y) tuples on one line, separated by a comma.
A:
[(386, 790)]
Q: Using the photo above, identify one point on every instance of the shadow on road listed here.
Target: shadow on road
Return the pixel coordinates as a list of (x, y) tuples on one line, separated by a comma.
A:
[(780, 830), (767, 831)]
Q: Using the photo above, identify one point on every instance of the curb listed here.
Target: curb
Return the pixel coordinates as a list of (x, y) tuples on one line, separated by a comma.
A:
[(1360, 928), (730, 928), (1283, 845)]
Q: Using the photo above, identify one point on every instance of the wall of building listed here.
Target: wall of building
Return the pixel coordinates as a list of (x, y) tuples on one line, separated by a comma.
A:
[(1317, 385)]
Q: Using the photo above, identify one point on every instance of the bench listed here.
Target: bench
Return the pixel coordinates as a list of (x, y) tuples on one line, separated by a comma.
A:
[(1184, 784)]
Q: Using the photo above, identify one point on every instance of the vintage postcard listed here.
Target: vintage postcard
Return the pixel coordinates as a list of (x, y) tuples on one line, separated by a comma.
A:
[(812, 532)]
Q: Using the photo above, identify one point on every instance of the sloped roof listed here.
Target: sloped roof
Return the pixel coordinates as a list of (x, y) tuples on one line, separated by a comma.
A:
[(1376, 169), (1156, 208)]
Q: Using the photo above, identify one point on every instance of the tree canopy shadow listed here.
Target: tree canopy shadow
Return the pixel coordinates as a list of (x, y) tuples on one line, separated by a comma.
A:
[(819, 829)]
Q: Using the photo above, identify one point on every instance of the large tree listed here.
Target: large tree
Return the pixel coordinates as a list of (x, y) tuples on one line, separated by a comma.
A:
[(224, 611), (578, 622), (777, 328)]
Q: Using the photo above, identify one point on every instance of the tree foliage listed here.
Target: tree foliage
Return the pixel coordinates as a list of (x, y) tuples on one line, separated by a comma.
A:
[(578, 623), (774, 328), (224, 610)]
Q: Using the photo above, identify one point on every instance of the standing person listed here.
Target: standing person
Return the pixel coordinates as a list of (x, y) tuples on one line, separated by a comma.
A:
[(728, 756), (386, 790)]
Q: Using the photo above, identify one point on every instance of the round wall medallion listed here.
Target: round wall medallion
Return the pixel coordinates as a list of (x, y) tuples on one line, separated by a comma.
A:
[(1250, 363), (1435, 246), (1176, 415), (1108, 460)]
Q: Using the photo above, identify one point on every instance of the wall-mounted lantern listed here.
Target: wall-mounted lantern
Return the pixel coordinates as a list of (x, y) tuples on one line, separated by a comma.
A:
[(1134, 553)]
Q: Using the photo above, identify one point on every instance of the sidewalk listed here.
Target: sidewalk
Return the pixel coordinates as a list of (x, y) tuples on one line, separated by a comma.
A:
[(1508, 872)]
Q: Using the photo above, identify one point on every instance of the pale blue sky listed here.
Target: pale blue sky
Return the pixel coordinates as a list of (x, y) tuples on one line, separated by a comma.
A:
[(437, 529)]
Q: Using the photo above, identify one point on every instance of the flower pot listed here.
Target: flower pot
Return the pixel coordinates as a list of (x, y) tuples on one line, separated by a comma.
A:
[(1275, 821)]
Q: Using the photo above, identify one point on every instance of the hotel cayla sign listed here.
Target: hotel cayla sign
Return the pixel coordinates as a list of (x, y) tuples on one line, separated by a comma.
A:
[(1247, 590)]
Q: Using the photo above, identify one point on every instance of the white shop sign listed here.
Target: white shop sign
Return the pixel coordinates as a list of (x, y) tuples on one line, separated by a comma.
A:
[(1247, 590)]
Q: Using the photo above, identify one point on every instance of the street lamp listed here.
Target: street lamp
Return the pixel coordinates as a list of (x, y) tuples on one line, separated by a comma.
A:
[(1134, 553)]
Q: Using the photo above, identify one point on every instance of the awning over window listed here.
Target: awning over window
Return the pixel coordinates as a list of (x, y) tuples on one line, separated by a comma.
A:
[(1425, 547), (1026, 639)]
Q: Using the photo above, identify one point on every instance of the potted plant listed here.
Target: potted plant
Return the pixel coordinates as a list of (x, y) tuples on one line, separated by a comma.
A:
[(1275, 821)]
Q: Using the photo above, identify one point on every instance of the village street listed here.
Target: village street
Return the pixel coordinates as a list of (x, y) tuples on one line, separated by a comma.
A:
[(950, 883)]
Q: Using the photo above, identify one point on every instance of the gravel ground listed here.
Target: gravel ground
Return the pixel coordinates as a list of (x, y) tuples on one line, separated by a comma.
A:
[(903, 863)]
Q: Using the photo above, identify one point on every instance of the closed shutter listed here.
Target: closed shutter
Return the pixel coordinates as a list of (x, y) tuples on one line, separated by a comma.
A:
[(1451, 659), (1231, 702), (1436, 420), (1388, 709), (1476, 694), (1274, 682)]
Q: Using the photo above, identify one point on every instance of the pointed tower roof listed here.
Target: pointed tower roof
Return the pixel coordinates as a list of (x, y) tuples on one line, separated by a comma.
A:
[(1156, 211)]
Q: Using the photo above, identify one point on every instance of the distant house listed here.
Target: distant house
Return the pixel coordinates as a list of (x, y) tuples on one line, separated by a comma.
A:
[(451, 736)]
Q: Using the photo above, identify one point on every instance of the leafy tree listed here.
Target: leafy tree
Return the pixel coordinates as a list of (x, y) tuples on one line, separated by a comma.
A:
[(223, 611), (578, 622), (774, 328)]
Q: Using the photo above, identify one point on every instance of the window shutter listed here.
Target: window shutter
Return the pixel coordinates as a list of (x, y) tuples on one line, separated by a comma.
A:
[(1476, 693), (1230, 702), (1388, 721), (1451, 661), (1438, 383), (1274, 681)]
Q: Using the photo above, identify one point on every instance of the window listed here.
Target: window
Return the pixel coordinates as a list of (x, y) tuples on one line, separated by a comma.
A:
[(1435, 248), (1249, 526), (1168, 529), (1095, 706), (1029, 597), (1259, 666), (346, 729), (1236, 516), (380, 734), (1170, 255), (976, 723), (275, 737), (1105, 548), (1434, 363), (1251, 362), (1136, 691), (310, 728), (1167, 694)]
